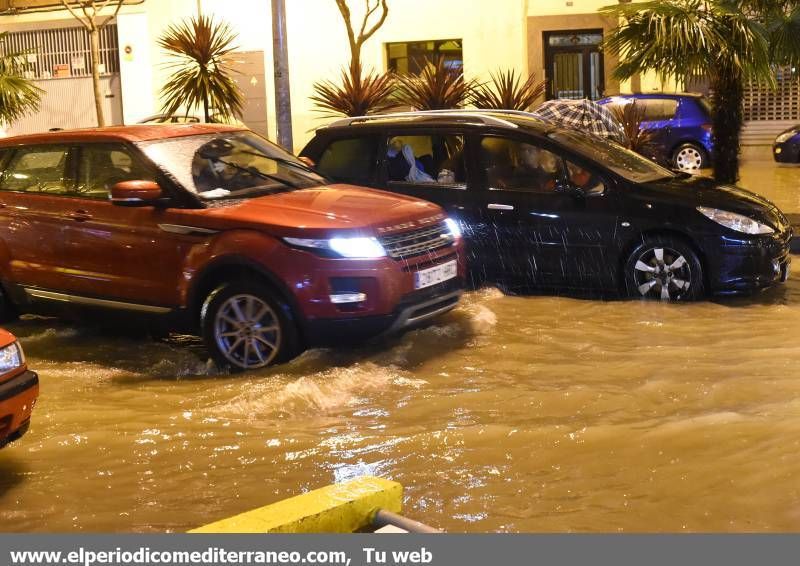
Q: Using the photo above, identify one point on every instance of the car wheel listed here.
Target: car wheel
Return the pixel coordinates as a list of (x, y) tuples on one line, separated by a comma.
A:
[(689, 157), (244, 327), (664, 268)]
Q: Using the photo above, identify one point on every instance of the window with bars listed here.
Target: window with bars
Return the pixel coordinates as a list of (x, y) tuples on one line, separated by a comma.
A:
[(410, 57), (63, 52)]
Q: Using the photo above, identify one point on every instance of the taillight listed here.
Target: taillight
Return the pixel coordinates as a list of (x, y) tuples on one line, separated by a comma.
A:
[(706, 127)]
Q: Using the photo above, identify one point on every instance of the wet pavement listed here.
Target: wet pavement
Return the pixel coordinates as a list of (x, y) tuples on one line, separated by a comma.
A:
[(510, 414)]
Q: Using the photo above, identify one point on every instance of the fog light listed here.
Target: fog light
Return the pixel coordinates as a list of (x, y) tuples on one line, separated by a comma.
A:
[(347, 298), (778, 150)]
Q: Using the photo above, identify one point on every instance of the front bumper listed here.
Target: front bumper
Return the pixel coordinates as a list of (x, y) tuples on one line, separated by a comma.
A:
[(17, 397), (747, 264), (787, 152), (415, 309)]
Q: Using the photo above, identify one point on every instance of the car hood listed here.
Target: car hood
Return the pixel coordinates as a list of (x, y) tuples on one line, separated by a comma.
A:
[(326, 210), (703, 191)]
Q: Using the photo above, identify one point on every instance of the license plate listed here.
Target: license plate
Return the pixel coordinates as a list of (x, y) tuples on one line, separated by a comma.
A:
[(436, 274)]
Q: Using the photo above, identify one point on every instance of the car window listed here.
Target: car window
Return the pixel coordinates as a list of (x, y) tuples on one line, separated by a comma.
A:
[(656, 109), (37, 169), (511, 165), (436, 160), (585, 179), (351, 160), (103, 165)]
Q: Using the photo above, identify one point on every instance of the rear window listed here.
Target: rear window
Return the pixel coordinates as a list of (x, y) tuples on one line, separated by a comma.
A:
[(351, 159)]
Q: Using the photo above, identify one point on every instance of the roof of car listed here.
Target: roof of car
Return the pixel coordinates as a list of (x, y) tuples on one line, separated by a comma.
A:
[(136, 133), (500, 118), (657, 95)]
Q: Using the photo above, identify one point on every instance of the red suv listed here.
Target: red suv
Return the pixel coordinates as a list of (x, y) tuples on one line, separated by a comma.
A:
[(19, 389), (219, 232)]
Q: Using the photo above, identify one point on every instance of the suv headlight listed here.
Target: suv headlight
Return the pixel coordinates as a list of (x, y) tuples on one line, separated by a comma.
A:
[(351, 248), (11, 357), (738, 222), (785, 136), (454, 228)]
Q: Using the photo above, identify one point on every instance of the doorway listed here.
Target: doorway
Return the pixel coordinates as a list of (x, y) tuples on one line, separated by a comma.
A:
[(574, 65)]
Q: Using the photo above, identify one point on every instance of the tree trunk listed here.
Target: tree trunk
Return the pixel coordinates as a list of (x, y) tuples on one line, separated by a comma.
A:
[(94, 36), (727, 123), (206, 114)]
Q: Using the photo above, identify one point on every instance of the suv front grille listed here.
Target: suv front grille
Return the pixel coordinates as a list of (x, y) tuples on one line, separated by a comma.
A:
[(416, 242)]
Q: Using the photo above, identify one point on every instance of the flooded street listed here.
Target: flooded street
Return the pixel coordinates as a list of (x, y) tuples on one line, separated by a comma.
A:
[(511, 414)]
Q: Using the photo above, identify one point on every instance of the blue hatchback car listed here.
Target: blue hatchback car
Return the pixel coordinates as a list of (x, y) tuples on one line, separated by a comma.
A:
[(786, 148), (681, 124)]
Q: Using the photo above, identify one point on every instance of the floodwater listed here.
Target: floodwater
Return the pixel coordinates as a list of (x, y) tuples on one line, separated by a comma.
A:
[(510, 414)]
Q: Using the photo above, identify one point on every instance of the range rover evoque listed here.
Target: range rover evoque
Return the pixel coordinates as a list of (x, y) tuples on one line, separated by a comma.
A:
[(217, 231)]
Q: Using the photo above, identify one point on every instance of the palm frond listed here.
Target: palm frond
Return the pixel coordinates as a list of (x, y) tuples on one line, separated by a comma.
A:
[(436, 87), (201, 77), (634, 136), (506, 91), (18, 95), (687, 37), (357, 94)]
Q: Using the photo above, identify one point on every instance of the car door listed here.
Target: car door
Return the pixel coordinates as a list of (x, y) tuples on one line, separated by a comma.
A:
[(118, 252), (541, 229), (32, 221)]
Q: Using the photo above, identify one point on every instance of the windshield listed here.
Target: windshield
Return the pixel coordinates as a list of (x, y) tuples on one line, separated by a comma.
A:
[(623, 162), (230, 165)]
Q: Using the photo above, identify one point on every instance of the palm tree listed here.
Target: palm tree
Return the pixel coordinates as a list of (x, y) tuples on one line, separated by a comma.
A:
[(438, 86), (507, 91), (358, 94), (201, 77), (728, 41), (18, 95)]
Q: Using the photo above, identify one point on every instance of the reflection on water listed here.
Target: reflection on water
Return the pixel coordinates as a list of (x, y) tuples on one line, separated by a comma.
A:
[(511, 414)]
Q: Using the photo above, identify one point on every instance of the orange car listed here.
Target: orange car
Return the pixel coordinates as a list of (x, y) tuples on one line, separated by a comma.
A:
[(19, 389)]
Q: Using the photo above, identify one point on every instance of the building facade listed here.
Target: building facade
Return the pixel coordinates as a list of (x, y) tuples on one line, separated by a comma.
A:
[(554, 39)]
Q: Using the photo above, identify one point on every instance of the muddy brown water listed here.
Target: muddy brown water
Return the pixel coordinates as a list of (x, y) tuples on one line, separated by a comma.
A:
[(510, 414)]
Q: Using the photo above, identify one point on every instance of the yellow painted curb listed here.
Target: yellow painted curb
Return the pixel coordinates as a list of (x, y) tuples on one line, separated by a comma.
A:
[(340, 508)]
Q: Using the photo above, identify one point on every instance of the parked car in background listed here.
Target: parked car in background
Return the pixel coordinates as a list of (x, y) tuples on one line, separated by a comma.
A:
[(681, 124), (188, 119), (19, 390), (786, 148), (217, 231), (546, 208)]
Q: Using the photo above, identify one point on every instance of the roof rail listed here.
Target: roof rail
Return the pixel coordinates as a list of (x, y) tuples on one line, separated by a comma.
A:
[(472, 113)]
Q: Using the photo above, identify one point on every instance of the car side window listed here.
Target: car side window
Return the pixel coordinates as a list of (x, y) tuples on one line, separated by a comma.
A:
[(585, 179), (103, 165), (511, 165), (656, 109), (351, 159), (436, 160), (38, 169)]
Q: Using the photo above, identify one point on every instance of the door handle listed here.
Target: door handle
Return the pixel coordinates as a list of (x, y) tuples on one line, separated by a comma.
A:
[(79, 216), (495, 206)]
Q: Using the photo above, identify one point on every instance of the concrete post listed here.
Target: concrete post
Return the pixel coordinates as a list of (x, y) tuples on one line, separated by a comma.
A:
[(283, 102)]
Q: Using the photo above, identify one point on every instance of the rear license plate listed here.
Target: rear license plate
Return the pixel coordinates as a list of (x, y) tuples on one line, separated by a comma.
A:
[(436, 274)]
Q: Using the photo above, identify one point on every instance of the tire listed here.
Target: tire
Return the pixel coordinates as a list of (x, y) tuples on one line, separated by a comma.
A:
[(666, 268), (689, 157), (245, 327)]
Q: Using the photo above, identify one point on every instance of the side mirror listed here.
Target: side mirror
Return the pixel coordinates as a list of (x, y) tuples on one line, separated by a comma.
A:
[(136, 193)]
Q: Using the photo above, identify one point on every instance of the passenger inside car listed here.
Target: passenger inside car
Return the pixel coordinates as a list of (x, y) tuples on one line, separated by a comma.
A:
[(517, 166), (584, 179), (403, 165)]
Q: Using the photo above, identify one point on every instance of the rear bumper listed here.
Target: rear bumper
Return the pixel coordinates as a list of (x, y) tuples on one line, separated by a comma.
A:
[(416, 309), (17, 397)]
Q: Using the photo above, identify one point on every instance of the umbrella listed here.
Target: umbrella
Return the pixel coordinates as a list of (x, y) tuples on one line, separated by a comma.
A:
[(583, 115)]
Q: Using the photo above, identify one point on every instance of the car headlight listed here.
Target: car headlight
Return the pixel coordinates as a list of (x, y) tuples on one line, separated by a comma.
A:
[(11, 357), (454, 228), (351, 248), (785, 136), (738, 222)]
